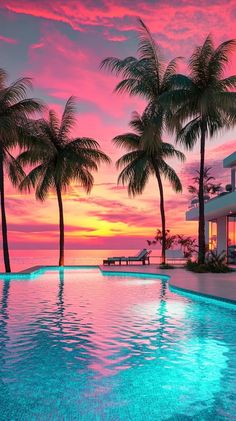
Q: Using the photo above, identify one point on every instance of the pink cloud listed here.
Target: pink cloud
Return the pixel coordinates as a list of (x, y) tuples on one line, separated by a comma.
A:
[(79, 75), (8, 40), (175, 21), (37, 45), (114, 38)]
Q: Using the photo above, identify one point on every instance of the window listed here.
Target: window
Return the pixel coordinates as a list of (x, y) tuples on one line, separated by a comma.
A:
[(212, 235), (231, 238)]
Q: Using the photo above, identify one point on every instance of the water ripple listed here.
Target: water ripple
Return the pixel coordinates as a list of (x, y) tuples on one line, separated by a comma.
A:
[(79, 346)]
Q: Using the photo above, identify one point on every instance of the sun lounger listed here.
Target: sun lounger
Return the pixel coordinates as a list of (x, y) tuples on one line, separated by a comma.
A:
[(143, 256)]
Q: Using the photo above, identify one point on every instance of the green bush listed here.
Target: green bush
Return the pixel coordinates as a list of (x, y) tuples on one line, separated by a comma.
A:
[(215, 263)]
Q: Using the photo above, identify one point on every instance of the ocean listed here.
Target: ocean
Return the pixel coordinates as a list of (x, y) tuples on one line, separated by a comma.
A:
[(23, 259)]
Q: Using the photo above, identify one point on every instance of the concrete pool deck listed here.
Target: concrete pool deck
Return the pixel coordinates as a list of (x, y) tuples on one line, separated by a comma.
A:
[(214, 285), (221, 286)]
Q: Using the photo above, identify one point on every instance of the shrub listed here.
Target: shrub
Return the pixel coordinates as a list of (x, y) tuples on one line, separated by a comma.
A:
[(215, 263)]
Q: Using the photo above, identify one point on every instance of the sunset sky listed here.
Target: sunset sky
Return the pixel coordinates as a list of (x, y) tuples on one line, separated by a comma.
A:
[(60, 44)]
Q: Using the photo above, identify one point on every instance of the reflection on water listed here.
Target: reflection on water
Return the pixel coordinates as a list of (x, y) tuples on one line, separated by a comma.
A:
[(79, 346)]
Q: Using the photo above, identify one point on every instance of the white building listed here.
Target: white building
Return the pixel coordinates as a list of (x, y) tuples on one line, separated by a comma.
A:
[(220, 216)]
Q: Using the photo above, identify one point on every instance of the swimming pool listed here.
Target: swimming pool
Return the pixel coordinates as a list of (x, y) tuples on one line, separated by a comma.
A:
[(77, 345)]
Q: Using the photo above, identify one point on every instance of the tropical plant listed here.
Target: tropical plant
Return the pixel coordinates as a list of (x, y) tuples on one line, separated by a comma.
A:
[(170, 239), (15, 110), (59, 159), (215, 263), (188, 245), (146, 156), (210, 188), (202, 104)]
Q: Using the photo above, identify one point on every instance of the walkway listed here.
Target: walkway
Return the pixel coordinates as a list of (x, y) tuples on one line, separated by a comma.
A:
[(218, 285)]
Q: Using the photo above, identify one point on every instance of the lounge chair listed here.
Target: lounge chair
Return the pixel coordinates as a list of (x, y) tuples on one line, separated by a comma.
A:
[(112, 260), (142, 256)]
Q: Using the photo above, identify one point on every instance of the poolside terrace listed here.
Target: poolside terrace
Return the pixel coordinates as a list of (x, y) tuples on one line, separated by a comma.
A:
[(215, 285)]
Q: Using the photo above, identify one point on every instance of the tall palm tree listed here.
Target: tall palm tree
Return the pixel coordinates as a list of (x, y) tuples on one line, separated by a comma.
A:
[(148, 76), (203, 104), (15, 110), (59, 159), (146, 157)]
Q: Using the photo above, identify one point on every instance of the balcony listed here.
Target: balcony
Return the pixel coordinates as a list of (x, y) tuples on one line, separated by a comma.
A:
[(222, 205)]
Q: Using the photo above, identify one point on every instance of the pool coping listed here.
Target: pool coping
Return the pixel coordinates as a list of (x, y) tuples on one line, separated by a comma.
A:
[(34, 271), (190, 292), (38, 270)]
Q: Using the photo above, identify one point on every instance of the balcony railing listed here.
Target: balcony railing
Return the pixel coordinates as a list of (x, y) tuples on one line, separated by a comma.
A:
[(195, 202)]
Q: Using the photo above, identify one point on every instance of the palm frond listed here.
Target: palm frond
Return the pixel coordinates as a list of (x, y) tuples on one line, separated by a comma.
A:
[(25, 108), (68, 118), (169, 151), (54, 122), (83, 142), (179, 81), (170, 174), (228, 83), (32, 178), (135, 173), (44, 184), (129, 141), (85, 178), (14, 170), (128, 158), (137, 123), (119, 66), (199, 61), (169, 74), (17, 91), (89, 148), (150, 51), (32, 157), (220, 58), (190, 133)]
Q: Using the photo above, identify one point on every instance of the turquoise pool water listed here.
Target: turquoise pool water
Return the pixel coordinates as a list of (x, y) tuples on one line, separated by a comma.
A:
[(77, 345)]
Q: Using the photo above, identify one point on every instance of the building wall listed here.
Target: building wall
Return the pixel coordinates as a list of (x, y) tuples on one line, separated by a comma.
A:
[(221, 234)]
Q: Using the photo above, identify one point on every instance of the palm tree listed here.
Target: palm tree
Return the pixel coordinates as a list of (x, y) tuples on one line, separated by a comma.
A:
[(147, 76), (15, 110), (146, 157), (59, 160), (202, 104)]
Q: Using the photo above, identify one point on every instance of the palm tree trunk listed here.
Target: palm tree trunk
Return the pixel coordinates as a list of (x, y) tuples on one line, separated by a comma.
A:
[(61, 225), (163, 217), (201, 221), (3, 217)]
